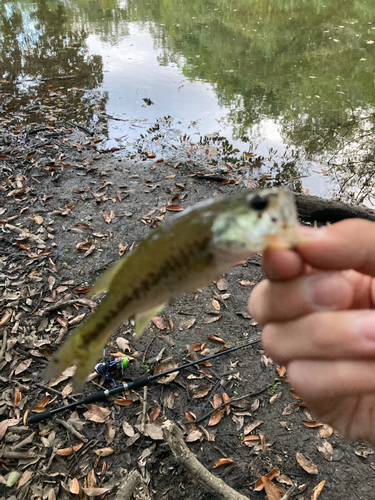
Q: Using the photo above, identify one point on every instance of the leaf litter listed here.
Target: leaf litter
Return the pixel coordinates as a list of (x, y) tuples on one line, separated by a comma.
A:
[(69, 212)]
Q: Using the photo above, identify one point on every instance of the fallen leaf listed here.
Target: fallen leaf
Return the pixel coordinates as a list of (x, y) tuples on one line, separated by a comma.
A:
[(186, 324), (159, 322), (246, 283), (201, 391), (217, 339), (95, 492), (317, 490), (306, 464), (223, 461), (97, 414), (128, 429), (311, 423), (26, 476), (66, 452), (216, 304), (17, 396), (74, 487), (216, 417), (163, 366), (252, 426), (104, 452), (193, 436), (174, 208), (124, 402)]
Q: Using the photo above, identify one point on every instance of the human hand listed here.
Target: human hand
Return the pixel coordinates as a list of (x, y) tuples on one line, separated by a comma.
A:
[(317, 307)]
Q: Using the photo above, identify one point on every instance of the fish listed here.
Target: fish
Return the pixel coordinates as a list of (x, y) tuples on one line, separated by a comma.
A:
[(187, 252)]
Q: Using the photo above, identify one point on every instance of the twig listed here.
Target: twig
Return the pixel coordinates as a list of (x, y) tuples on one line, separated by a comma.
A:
[(147, 348), (289, 493), (174, 438), (144, 409), (64, 303), (72, 430), (3, 344), (81, 127), (51, 390), (128, 485)]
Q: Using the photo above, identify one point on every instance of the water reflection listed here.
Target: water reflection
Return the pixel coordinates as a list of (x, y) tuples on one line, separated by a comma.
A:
[(296, 77)]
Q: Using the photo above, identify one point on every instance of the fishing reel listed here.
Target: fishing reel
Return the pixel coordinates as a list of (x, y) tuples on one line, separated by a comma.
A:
[(113, 365)]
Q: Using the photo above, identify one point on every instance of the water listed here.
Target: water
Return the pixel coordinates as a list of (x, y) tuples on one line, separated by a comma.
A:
[(289, 82)]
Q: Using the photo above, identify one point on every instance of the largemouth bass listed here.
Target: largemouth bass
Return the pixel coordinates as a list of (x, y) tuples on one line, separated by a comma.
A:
[(189, 251)]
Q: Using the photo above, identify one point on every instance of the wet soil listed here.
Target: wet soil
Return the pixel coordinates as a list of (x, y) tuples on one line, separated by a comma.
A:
[(65, 218)]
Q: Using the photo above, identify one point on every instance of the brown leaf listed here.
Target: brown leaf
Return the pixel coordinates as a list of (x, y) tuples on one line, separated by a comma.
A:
[(77, 319), (155, 413), (246, 283), (186, 324), (263, 441), (205, 372), (259, 485), (65, 452), (104, 452), (216, 304), (194, 435), (9, 422), (272, 490), (317, 490), (281, 370), (122, 248), (251, 426), (223, 461), (251, 439), (124, 402), (74, 487), (52, 266), (217, 401), (21, 367), (306, 464), (201, 391), (163, 366), (326, 450), (174, 208), (291, 408), (128, 429), (159, 322), (17, 396), (311, 423), (107, 217), (95, 492), (190, 416), (26, 476), (217, 339), (97, 414), (326, 431), (216, 417), (222, 284), (213, 319)]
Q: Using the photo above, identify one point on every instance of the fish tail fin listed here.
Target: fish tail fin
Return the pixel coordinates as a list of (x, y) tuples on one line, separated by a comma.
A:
[(80, 350)]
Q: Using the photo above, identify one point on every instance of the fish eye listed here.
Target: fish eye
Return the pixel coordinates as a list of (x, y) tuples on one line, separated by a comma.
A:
[(258, 202)]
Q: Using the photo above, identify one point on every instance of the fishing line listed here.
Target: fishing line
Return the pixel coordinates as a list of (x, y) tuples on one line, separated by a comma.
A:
[(138, 383)]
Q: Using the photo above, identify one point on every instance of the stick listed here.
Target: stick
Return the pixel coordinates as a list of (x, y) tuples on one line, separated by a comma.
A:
[(72, 430), (128, 485), (174, 438)]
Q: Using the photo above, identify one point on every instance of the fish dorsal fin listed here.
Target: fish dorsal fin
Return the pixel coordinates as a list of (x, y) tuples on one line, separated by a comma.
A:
[(102, 284), (143, 319)]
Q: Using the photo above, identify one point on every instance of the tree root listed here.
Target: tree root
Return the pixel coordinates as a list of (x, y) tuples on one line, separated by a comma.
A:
[(174, 438)]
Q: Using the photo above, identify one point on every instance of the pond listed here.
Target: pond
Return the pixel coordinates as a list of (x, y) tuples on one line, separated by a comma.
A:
[(281, 90)]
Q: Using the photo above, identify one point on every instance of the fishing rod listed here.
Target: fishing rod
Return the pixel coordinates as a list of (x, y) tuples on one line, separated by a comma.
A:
[(138, 383)]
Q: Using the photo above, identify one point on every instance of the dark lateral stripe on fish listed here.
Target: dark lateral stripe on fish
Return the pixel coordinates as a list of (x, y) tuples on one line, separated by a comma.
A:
[(175, 263)]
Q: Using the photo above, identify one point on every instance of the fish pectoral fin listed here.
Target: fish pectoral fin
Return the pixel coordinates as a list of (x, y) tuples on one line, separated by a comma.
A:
[(102, 284), (143, 319)]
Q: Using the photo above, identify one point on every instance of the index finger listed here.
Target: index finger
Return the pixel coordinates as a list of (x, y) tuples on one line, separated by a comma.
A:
[(349, 244)]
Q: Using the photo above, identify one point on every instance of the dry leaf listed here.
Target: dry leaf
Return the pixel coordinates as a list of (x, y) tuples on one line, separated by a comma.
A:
[(222, 284), (311, 423), (124, 402), (246, 283), (326, 450), (26, 476), (104, 452), (317, 490), (186, 324), (159, 322), (216, 417), (163, 366), (216, 339), (17, 396), (326, 431), (223, 461), (128, 429), (65, 452), (251, 426), (97, 414), (216, 304), (74, 487), (259, 485), (175, 208), (95, 492), (201, 391), (194, 435), (306, 464)]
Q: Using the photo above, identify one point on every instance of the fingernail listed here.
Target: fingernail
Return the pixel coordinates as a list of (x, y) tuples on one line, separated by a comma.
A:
[(323, 290), (364, 325)]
